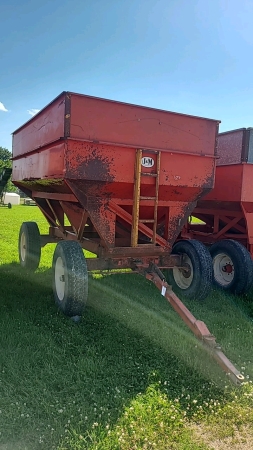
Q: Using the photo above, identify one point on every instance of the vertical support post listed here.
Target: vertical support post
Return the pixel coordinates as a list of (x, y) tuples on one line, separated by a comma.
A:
[(82, 225), (176, 218), (249, 227), (158, 163), (136, 199), (216, 221)]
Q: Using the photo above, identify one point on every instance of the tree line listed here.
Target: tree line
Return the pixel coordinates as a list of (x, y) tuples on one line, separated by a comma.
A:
[(5, 161)]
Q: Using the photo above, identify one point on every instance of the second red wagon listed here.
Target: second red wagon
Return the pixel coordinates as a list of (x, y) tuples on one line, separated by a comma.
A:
[(227, 213)]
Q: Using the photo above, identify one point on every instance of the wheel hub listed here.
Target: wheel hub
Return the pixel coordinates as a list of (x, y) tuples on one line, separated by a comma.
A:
[(228, 268), (186, 270), (223, 269), (184, 276)]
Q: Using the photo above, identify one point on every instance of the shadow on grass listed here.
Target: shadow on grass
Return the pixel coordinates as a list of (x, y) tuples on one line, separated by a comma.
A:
[(128, 337)]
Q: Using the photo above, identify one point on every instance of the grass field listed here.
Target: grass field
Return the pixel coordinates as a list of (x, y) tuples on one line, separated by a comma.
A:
[(130, 375)]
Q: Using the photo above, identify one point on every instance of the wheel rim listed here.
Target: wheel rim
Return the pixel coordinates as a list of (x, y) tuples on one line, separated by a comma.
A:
[(183, 278), (59, 276), (23, 247), (223, 269)]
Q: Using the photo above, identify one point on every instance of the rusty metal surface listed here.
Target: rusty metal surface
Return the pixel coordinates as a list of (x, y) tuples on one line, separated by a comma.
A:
[(67, 115), (111, 168), (55, 196), (235, 146), (129, 263), (94, 175), (231, 147), (249, 156)]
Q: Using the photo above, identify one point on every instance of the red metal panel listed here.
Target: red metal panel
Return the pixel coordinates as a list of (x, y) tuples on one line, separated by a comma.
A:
[(246, 181), (114, 166), (45, 127), (230, 147), (247, 202), (228, 184), (102, 120), (46, 163), (248, 213)]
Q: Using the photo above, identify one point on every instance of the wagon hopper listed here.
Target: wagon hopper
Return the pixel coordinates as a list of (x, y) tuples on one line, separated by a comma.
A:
[(118, 180), (227, 213)]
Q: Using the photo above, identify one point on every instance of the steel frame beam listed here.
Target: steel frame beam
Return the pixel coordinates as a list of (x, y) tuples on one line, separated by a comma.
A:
[(198, 327)]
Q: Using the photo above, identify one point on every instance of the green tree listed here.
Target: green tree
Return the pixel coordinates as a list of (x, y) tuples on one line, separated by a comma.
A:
[(5, 161), (5, 154)]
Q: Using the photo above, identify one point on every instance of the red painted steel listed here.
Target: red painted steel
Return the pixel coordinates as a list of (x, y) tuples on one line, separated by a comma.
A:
[(227, 210), (198, 327), (83, 117), (139, 126), (46, 163), (84, 148), (45, 127), (230, 145)]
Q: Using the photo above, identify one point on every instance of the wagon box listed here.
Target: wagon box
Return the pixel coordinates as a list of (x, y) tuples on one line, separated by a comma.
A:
[(92, 119), (86, 154), (118, 180)]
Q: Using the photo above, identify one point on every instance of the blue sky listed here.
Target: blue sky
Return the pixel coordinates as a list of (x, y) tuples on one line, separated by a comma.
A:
[(189, 56)]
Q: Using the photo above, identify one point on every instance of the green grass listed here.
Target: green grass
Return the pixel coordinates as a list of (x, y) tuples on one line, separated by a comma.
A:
[(195, 220), (130, 375)]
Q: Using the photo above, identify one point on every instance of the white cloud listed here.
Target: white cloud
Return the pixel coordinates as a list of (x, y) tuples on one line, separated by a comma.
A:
[(32, 112), (2, 107)]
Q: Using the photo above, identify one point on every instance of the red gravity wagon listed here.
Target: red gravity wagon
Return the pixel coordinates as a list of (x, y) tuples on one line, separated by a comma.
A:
[(119, 180), (226, 213)]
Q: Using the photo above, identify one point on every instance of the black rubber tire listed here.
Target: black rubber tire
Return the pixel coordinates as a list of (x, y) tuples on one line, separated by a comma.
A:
[(202, 273), (9, 205), (30, 236), (242, 266), (75, 289)]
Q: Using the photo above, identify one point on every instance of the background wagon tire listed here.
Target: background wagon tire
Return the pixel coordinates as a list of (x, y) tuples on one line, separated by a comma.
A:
[(70, 278), (197, 282), (29, 246), (232, 266)]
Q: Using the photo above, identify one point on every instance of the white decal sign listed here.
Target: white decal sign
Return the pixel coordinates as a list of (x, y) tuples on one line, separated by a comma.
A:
[(146, 161)]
